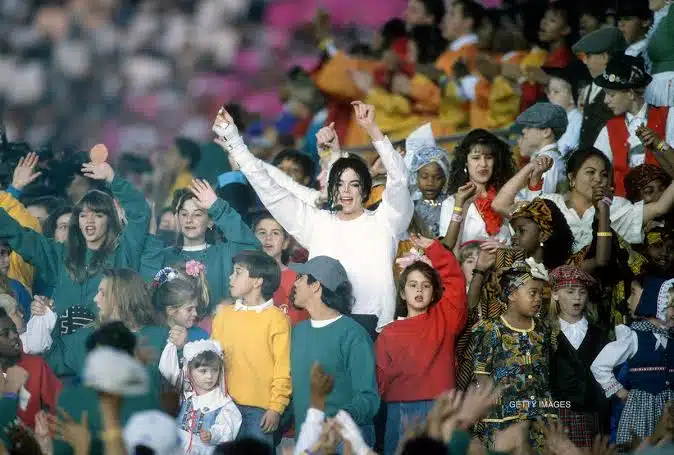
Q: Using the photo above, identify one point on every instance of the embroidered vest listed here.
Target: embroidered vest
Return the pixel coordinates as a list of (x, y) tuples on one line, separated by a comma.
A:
[(651, 370), (618, 136)]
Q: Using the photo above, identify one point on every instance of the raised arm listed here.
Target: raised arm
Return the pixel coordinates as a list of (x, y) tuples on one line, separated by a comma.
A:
[(296, 216), (602, 203), (530, 175), (660, 207), (462, 200), (396, 208)]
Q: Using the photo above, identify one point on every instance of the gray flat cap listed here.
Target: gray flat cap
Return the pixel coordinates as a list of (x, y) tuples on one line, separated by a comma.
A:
[(328, 271), (543, 115), (606, 39)]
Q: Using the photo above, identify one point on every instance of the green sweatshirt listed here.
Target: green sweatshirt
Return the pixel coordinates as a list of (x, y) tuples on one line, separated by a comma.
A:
[(344, 350), (216, 258), (48, 256), (8, 407)]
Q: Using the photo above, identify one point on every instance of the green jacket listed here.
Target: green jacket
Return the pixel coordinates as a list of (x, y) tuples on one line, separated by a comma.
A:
[(48, 256)]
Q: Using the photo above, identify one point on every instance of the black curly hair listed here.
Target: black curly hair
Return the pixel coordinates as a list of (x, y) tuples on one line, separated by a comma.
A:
[(504, 167), (362, 171)]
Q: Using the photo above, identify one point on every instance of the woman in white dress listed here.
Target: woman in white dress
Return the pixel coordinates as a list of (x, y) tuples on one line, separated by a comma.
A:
[(363, 241)]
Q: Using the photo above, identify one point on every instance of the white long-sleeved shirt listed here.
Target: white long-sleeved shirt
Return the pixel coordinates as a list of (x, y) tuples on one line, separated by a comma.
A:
[(571, 137), (553, 176), (365, 246), (619, 351)]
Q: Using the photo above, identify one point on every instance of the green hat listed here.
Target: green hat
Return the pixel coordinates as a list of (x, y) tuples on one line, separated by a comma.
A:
[(624, 72), (606, 39), (543, 115)]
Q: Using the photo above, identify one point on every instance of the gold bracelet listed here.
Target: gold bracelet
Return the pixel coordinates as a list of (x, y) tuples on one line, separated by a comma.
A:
[(458, 209), (604, 234), (662, 146)]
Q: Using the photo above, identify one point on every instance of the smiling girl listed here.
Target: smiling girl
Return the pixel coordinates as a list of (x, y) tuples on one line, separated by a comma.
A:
[(363, 241), (415, 353), (199, 212), (96, 240)]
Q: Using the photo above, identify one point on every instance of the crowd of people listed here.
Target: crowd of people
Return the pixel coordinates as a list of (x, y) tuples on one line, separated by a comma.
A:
[(503, 295)]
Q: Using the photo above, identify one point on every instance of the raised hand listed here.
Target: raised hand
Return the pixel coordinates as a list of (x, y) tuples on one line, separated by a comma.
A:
[(512, 439), (648, 137), (444, 416), (327, 140), (601, 446), (224, 126), (465, 194), (541, 165), (421, 242), (602, 197), (204, 193), (477, 403), (98, 171), (205, 436), (365, 115), (321, 383), (556, 440), (77, 434), (24, 172), (41, 305)]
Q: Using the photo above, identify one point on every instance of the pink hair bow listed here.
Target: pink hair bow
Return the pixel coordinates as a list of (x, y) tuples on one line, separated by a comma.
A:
[(194, 268), (411, 257)]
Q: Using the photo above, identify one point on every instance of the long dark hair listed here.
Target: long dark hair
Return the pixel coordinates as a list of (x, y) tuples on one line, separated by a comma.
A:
[(76, 246), (504, 168), (577, 158), (50, 225), (359, 167), (430, 274), (341, 299), (557, 249), (179, 198)]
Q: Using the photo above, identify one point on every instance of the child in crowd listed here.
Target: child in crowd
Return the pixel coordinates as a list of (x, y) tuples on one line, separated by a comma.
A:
[(199, 213), (415, 353), (646, 345), (255, 337), (468, 254), (11, 286), (428, 174), (513, 352), (576, 341), (208, 416), (275, 242)]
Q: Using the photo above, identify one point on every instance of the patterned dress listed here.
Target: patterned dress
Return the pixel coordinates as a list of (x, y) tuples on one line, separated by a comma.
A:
[(518, 361)]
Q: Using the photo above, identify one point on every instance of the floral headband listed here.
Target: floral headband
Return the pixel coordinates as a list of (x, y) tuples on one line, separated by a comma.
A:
[(167, 274)]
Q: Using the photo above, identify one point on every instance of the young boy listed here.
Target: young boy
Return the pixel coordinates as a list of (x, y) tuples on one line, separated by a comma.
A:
[(638, 130), (634, 20), (542, 125), (255, 337), (563, 90), (297, 165)]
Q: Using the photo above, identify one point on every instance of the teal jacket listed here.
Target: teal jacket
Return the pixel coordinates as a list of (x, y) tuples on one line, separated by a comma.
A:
[(48, 256)]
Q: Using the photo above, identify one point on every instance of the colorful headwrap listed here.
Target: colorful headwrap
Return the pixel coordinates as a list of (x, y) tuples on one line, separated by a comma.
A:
[(521, 272), (641, 176), (423, 157), (568, 275), (537, 211)]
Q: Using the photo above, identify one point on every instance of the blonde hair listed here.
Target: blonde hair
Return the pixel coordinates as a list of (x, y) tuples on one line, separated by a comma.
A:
[(131, 297), (590, 312)]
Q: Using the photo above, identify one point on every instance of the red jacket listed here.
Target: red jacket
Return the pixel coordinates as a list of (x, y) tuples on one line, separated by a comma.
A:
[(42, 385), (415, 356)]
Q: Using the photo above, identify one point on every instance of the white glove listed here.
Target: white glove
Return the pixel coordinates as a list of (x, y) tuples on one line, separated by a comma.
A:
[(350, 431), (225, 127)]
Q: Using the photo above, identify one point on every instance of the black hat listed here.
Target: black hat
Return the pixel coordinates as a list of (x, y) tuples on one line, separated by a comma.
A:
[(634, 9), (575, 73), (624, 72)]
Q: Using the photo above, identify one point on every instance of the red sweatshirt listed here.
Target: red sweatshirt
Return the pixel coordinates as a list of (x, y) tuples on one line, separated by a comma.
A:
[(415, 356), (282, 298), (42, 385)]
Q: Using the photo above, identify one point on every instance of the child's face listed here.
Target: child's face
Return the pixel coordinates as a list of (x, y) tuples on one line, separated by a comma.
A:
[(559, 93), (240, 282), (294, 171), (635, 295), (527, 299), (205, 378), (468, 265), (553, 27), (431, 181), (660, 254), (4, 259), (418, 292), (532, 140), (588, 24), (596, 63), (572, 301), (526, 235), (185, 315), (272, 237), (193, 221), (94, 226), (62, 223), (632, 28)]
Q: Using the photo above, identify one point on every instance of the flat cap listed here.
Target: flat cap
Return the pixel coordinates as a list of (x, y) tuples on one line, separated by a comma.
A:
[(543, 115), (606, 39)]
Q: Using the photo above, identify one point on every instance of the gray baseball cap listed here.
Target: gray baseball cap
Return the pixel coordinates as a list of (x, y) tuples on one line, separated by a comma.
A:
[(606, 39), (328, 271)]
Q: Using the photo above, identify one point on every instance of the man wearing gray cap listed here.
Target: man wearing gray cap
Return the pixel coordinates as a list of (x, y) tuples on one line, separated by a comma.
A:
[(335, 341), (598, 47), (542, 125)]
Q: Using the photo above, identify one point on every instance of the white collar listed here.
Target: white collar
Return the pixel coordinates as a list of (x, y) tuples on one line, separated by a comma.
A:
[(324, 323), (212, 400), (641, 115), (462, 41), (582, 324), (239, 306), (547, 148), (196, 247)]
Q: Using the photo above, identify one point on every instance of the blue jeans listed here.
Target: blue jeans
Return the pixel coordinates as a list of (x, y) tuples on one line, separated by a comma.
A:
[(250, 425), (399, 416)]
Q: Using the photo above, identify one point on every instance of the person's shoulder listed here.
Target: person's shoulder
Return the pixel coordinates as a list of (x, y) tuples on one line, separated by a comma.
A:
[(486, 325), (277, 315), (197, 333), (352, 328)]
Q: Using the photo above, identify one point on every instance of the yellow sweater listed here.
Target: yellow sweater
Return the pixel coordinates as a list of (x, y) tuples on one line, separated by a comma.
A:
[(257, 355), (19, 269)]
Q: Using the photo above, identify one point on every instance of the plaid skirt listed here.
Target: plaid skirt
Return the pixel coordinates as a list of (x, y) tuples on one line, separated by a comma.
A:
[(582, 426), (641, 414)]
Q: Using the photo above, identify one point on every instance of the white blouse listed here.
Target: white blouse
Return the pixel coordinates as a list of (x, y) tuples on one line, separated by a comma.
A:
[(626, 219), (574, 332), (474, 227)]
